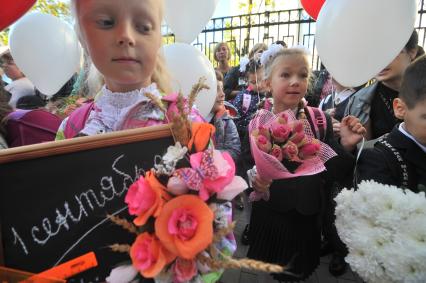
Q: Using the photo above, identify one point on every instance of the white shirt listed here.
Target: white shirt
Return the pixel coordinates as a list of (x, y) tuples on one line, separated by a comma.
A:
[(339, 97), (113, 109), (408, 135), (19, 88)]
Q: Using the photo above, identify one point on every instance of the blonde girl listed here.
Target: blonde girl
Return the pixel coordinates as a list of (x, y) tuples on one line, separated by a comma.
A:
[(285, 229), (122, 40)]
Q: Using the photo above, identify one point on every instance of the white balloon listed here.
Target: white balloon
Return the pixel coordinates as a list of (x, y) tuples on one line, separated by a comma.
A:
[(187, 65), (356, 39), (46, 50), (187, 18)]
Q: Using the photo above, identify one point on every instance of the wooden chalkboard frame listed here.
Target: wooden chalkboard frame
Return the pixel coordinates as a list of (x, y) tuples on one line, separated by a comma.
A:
[(83, 143), (77, 145)]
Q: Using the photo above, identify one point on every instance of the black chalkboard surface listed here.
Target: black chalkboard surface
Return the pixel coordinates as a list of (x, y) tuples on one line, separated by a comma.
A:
[(54, 198)]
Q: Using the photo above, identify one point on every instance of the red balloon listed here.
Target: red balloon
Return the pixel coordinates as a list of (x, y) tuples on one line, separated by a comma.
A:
[(312, 7), (11, 10)]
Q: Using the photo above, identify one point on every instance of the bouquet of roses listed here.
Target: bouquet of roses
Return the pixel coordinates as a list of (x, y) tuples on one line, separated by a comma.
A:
[(384, 228), (284, 147), (183, 215)]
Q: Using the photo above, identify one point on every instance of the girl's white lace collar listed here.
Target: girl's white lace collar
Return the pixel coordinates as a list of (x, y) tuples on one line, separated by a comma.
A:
[(125, 99), (113, 110)]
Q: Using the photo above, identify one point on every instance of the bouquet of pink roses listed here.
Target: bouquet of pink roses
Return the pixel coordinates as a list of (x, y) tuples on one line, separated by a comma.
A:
[(284, 147)]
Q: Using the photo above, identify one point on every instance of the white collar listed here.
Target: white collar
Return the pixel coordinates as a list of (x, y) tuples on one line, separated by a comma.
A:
[(124, 99), (116, 111), (408, 135), (339, 97)]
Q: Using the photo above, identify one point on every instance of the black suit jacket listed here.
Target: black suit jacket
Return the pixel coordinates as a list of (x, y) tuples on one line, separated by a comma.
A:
[(381, 165)]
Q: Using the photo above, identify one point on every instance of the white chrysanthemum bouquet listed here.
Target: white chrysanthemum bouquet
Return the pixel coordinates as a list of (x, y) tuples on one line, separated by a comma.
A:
[(384, 228)]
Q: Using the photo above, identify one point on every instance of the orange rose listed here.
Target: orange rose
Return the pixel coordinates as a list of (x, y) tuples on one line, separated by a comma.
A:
[(146, 198), (149, 256), (185, 226)]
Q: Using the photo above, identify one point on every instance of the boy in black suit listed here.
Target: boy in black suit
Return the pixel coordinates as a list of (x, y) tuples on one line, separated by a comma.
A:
[(399, 158)]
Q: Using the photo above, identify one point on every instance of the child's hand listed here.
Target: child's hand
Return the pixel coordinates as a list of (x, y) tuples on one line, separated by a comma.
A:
[(351, 132), (331, 112), (336, 127), (261, 185)]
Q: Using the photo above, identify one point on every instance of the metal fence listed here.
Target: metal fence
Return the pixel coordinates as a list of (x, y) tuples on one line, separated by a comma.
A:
[(294, 27)]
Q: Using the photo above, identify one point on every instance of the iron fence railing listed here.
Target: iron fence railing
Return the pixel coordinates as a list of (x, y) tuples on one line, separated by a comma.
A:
[(294, 27)]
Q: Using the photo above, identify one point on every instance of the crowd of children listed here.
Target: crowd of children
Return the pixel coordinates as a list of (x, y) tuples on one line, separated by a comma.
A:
[(123, 43)]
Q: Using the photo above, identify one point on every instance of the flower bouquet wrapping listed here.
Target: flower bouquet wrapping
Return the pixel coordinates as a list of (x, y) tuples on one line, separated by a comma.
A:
[(284, 147), (384, 228), (183, 215)]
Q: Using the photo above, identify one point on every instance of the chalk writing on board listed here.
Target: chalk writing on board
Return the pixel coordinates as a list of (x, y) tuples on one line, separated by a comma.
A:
[(86, 202), (85, 235)]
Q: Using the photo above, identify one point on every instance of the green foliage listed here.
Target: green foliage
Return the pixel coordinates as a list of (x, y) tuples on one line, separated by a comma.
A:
[(254, 6), (57, 8), (4, 37), (54, 7)]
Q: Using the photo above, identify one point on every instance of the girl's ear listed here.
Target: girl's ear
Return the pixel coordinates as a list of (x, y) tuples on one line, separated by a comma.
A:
[(267, 84), (399, 108)]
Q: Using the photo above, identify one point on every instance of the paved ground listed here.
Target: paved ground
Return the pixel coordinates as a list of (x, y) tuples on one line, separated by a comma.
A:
[(321, 275)]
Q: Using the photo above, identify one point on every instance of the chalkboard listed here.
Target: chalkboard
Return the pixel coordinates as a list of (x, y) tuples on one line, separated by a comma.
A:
[(54, 198)]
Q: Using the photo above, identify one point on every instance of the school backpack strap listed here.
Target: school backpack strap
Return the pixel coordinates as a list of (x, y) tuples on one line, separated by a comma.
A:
[(77, 120), (318, 122), (395, 158)]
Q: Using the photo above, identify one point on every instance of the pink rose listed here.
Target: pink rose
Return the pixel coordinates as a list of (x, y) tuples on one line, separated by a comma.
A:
[(146, 198), (261, 131), (298, 127), (310, 150), (140, 197), (298, 138), (290, 151), (182, 224), (265, 132), (280, 132), (282, 118), (149, 256), (184, 270), (277, 152), (263, 143)]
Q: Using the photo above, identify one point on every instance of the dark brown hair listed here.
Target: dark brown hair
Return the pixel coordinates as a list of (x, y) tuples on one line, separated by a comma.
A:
[(413, 87), (413, 41)]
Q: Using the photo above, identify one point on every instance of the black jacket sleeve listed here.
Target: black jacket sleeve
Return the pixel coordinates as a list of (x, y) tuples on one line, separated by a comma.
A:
[(231, 81)]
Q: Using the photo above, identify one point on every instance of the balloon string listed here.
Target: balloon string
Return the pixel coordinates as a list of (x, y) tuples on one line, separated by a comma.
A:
[(355, 177)]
